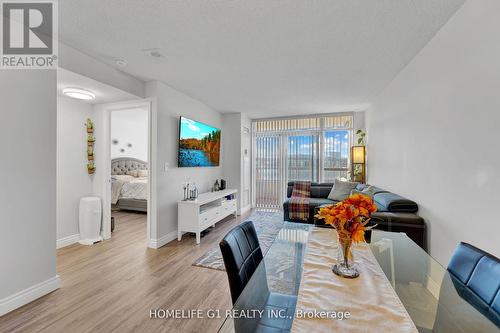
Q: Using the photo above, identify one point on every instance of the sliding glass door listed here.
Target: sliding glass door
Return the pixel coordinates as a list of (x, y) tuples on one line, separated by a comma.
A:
[(315, 149), (268, 177)]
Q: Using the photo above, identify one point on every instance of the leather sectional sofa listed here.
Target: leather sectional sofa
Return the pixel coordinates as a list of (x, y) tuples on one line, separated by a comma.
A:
[(395, 213)]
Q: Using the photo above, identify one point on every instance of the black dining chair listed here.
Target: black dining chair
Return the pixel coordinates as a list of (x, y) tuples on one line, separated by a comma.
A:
[(474, 277), (245, 268)]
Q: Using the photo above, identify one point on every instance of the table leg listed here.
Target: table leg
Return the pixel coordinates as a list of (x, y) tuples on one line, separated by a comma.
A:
[(198, 238), (179, 235)]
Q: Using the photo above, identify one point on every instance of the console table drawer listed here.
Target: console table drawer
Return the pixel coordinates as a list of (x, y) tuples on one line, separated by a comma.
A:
[(229, 205), (209, 215)]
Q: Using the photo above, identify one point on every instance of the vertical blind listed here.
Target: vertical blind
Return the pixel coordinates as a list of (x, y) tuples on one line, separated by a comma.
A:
[(314, 148)]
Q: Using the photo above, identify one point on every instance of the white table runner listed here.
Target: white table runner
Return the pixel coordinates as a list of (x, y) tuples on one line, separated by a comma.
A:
[(370, 299)]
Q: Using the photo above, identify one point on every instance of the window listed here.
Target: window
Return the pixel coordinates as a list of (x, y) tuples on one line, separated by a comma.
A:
[(336, 149), (314, 149), (302, 157)]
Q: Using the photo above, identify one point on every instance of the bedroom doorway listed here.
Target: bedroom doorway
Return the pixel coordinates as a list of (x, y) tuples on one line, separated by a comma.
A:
[(126, 168), (129, 170)]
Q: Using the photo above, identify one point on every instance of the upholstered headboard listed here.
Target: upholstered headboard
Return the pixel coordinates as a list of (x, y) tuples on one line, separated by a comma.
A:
[(120, 166)]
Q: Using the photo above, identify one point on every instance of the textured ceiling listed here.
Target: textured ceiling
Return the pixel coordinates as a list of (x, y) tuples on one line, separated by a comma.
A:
[(264, 57)]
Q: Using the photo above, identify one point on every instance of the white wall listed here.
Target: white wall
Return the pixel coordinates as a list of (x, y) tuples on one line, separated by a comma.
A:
[(246, 163), (130, 127), (171, 105), (73, 181), (234, 143), (28, 196), (433, 132), (231, 145)]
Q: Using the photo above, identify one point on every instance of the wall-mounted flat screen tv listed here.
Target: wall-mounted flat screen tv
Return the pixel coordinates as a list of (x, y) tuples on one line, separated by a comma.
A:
[(199, 144)]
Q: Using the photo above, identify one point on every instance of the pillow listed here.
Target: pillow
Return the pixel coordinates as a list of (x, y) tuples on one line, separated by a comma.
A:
[(341, 190), (124, 178), (369, 191), (133, 173), (142, 173)]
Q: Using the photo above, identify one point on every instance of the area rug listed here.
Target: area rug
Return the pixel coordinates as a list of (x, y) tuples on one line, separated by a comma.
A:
[(267, 224)]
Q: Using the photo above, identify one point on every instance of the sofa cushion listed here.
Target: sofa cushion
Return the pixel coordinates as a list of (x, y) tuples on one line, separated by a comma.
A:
[(391, 202), (321, 190), (341, 190), (320, 201), (368, 191), (374, 189), (317, 190), (361, 187), (314, 203)]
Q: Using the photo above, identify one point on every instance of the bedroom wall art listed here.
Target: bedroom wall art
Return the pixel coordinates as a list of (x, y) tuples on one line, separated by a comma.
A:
[(90, 146), (129, 133)]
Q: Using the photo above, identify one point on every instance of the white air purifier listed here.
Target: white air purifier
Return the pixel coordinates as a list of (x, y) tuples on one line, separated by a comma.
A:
[(90, 220)]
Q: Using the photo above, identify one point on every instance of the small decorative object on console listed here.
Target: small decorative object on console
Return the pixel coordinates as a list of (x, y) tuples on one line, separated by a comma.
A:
[(193, 192), (349, 218), (185, 187), (190, 191)]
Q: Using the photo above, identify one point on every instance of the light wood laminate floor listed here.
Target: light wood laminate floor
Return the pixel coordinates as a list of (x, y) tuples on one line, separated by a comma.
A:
[(111, 286)]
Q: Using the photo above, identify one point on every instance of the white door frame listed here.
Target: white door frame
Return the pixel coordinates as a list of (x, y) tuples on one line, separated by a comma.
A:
[(102, 186)]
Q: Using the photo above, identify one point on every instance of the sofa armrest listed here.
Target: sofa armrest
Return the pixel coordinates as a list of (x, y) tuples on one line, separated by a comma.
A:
[(391, 202)]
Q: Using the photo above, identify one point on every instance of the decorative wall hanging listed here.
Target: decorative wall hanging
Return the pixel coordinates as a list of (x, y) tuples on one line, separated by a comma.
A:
[(90, 146)]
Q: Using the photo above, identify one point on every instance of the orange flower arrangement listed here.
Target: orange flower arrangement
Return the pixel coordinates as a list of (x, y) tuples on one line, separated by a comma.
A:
[(349, 217)]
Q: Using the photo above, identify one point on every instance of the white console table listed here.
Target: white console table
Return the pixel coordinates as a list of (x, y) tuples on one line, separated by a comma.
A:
[(202, 213)]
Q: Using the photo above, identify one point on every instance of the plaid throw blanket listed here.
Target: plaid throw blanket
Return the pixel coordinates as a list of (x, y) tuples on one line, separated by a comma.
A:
[(298, 206)]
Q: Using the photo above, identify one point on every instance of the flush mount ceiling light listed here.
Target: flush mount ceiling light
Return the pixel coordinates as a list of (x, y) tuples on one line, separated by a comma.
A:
[(79, 93)]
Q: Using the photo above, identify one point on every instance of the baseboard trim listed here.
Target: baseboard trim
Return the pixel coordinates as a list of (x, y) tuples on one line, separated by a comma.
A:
[(28, 295), (65, 241), (159, 242)]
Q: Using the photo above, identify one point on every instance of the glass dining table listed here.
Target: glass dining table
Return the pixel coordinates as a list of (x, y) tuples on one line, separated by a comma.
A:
[(424, 287)]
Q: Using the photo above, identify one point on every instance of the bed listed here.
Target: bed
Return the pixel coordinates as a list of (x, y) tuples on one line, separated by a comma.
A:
[(129, 184)]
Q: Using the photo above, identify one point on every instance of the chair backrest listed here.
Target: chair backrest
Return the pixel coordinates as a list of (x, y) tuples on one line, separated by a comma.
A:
[(476, 276), (242, 255)]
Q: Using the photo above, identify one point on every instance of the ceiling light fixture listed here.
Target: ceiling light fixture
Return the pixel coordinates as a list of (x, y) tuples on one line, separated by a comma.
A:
[(79, 93)]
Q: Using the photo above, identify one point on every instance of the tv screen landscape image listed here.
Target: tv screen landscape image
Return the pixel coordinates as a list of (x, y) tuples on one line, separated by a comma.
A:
[(199, 144)]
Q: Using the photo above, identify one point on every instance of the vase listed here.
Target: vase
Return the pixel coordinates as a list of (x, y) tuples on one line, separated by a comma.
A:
[(345, 266)]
